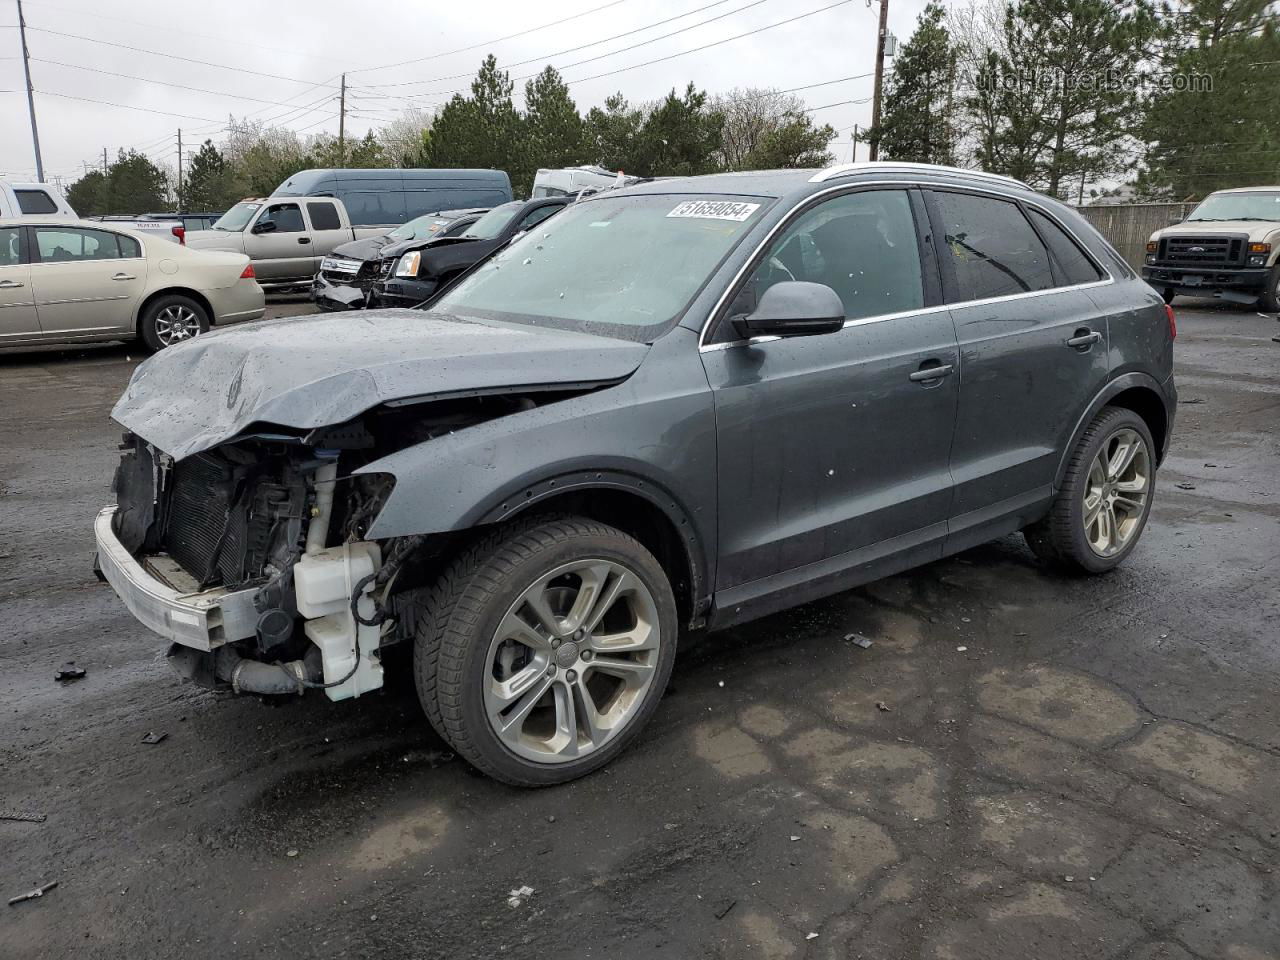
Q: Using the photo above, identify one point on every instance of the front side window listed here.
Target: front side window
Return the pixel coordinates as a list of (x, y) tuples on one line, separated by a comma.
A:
[(624, 266), (67, 245), (324, 216), (1074, 265), (534, 217), (861, 245), (10, 246), (992, 247), (286, 216), (493, 222), (35, 202)]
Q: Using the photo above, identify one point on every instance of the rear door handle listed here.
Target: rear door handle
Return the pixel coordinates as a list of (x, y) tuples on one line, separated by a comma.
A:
[(935, 371), (1084, 339), (304, 239), (124, 276), (11, 284)]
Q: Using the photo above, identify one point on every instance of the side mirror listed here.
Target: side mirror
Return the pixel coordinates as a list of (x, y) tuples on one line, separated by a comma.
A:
[(264, 226), (794, 308)]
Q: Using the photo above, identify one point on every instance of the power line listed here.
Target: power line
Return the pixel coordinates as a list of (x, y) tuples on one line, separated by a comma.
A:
[(124, 106), (170, 56), (596, 43), (486, 43)]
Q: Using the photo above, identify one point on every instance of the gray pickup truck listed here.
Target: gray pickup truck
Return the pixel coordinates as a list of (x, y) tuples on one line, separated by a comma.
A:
[(285, 238)]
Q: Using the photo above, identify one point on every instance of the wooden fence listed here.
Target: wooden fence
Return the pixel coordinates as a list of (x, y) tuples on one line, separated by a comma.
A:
[(1128, 226)]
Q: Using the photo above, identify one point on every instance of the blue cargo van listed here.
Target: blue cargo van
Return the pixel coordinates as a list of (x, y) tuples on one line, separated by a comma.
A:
[(389, 197)]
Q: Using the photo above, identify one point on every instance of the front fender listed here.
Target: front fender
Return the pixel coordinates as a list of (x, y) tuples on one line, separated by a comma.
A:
[(653, 434)]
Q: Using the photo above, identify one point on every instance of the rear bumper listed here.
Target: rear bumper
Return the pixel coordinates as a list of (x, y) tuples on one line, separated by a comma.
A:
[(202, 620), (240, 301), (1209, 280)]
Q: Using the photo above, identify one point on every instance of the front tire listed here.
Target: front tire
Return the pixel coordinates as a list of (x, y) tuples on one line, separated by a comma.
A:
[(171, 319), (1269, 302), (1102, 506), (549, 648)]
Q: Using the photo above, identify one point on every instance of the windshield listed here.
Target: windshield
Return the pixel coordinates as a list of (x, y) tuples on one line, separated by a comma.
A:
[(491, 224), (237, 218), (419, 228), (622, 265), (1259, 205)]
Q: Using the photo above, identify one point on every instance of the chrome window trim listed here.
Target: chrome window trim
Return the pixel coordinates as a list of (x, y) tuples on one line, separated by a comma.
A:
[(704, 347)]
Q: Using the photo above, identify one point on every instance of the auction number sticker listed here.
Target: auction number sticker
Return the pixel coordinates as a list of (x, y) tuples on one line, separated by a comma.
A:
[(715, 210)]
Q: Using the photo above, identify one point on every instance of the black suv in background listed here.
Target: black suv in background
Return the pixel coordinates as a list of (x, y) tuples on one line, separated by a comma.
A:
[(416, 272), (679, 405)]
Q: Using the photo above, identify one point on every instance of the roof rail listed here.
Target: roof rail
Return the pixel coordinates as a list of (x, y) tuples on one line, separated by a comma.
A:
[(831, 173)]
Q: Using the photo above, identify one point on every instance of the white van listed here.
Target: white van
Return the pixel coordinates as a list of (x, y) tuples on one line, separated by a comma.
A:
[(571, 180), (32, 200)]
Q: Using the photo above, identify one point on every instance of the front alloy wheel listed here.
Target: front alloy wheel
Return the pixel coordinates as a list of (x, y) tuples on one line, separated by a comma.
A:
[(545, 647)]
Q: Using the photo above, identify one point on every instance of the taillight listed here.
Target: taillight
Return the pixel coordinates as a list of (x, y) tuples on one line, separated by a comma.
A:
[(180, 233), (1173, 322), (248, 274)]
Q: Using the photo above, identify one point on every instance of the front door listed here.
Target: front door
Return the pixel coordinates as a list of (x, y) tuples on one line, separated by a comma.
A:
[(1033, 354), (17, 305), (280, 245), (833, 449), (86, 282)]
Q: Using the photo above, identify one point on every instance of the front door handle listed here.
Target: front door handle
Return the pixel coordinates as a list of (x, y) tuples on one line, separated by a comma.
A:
[(11, 284), (124, 276), (304, 239), (1084, 338), (931, 370)]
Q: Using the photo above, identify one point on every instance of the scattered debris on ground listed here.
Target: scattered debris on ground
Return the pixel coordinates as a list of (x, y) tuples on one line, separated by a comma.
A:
[(858, 640), (35, 894), (153, 737), (519, 895), (882, 706), (22, 817), (69, 672), (1193, 400), (723, 911), (1186, 486)]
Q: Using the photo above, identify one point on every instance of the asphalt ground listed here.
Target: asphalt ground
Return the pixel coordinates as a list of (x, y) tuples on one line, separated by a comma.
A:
[(1020, 766)]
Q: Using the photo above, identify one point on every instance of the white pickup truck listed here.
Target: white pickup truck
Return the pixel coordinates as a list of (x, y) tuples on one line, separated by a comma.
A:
[(32, 200), (285, 238)]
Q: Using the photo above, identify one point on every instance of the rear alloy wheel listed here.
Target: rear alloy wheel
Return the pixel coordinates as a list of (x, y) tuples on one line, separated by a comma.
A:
[(555, 652), (171, 320), (1105, 498)]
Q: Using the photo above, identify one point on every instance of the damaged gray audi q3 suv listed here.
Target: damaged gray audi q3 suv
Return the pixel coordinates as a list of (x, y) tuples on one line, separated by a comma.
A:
[(680, 405)]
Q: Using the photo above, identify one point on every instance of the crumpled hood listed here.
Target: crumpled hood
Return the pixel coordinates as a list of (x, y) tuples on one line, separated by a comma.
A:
[(315, 371), (367, 248)]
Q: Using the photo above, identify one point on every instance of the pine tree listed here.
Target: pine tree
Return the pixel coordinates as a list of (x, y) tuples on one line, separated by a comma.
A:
[(554, 130), (918, 122), (483, 130), (88, 195), (1203, 140), (210, 182), (135, 185), (680, 137), (612, 134)]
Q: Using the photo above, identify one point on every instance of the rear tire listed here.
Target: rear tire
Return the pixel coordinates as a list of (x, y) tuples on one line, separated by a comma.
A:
[(546, 649), (1105, 499), (1269, 302), (171, 319)]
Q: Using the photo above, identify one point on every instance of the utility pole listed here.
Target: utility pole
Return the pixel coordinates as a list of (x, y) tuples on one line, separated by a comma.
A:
[(342, 121), (179, 169), (875, 105), (854, 156), (31, 97), (104, 161)]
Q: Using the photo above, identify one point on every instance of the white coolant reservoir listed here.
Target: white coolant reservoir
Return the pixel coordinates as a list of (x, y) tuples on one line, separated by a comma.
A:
[(323, 583)]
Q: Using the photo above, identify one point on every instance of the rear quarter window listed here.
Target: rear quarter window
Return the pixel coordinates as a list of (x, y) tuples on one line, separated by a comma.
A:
[(1073, 263), (35, 202)]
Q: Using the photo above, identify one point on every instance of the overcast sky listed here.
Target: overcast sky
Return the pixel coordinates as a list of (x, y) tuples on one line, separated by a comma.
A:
[(281, 59)]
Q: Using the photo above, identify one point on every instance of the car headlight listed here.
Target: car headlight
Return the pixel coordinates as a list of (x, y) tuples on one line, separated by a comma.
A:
[(408, 265), (1257, 261)]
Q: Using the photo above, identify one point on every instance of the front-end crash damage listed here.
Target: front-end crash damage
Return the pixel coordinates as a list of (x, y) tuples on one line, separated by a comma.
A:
[(251, 556)]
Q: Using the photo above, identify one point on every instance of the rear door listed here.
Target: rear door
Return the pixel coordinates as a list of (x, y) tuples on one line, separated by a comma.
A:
[(17, 304), (1033, 353), (86, 282), (833, 450), (284, 251), (327, 230)]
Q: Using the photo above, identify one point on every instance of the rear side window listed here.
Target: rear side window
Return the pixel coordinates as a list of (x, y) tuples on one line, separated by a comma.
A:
[(35, 201), (992, 248), (69, 245), (324, 216), (1074, 266), (130, 249), (10, 246), (534, 217)]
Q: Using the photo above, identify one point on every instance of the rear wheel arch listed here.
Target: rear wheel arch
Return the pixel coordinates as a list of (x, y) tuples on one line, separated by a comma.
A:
[(1135, 391), (151, 298)]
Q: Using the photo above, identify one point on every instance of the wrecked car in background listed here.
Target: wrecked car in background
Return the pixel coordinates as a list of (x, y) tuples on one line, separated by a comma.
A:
[(346, 276), (681, 405)]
